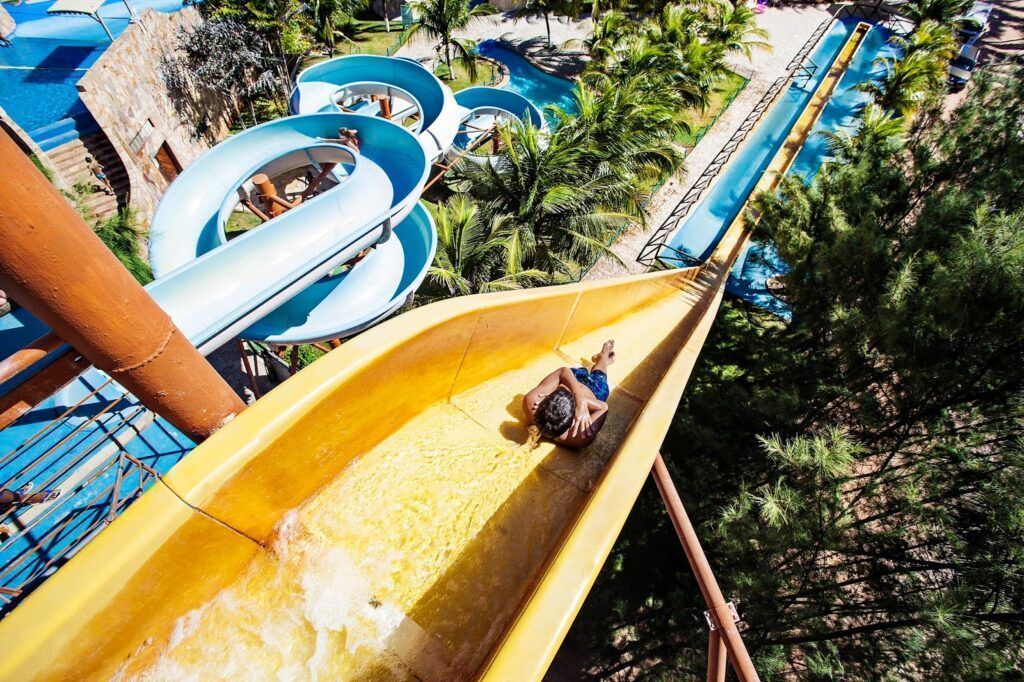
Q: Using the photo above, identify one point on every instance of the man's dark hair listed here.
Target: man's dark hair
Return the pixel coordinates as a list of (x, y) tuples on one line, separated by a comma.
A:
[(555, 412)]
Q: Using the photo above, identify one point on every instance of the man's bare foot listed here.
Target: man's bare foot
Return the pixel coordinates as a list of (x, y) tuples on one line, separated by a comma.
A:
[(607, 352)]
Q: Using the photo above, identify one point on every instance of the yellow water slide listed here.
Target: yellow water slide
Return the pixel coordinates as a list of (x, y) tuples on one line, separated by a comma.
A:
[(379, 515)]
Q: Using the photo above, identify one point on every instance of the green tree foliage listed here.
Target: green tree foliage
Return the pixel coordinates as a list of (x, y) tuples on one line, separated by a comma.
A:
[(919, 73), (222, 56), (122, 234), (680, 52), (284, 28), (855, 471), (561, 198), (441, 19), (544, 8), (470, 252), (329, 16), (942, 11)]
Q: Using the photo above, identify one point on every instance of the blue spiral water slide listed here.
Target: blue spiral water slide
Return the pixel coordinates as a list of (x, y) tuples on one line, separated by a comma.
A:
[(282, 283)]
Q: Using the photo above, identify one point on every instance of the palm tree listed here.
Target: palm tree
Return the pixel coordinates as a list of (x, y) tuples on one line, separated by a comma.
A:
[(734, 28), (544, 8), (441, 19), (904, 87), (550, 204), (630, 129), (468, 252), (877, 129), (941, 11), (920, 71), (930, 39), (328, 15), (609, 31)]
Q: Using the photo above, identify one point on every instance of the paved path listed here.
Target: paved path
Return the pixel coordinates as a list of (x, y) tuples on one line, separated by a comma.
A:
[(788, 28)]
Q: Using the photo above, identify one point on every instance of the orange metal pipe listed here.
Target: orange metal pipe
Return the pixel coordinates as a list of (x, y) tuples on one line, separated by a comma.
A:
[(315, 182), (255, 211), (717, 658), (40, 386), (54, 265), (272, 203), (20, 360), (721, 615)]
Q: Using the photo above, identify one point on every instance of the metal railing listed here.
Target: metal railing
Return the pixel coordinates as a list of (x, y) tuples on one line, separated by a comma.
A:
[(83, 451), (649, 253), (725, 644), (800, 66)]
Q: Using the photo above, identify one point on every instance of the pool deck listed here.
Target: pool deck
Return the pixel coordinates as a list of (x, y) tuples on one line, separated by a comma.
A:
[(788, 29)]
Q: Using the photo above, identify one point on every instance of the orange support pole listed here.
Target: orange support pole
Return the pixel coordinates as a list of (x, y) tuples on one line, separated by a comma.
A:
[(717, 657), (268, 195), (720, 612), (40, 386), (54, 265), (314, 184), (20, 360)]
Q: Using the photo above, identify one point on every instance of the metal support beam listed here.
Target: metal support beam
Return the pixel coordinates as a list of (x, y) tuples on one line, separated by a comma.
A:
[(720, 614), (55, 266), (717, 657)]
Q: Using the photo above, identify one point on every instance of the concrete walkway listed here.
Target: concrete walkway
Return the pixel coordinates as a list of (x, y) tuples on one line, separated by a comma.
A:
[(788, 29)]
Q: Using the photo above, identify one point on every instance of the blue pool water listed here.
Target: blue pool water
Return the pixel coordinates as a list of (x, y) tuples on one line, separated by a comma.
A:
[(539, 87), (49, 54), (698, 235), (759, 261), (47, 446)]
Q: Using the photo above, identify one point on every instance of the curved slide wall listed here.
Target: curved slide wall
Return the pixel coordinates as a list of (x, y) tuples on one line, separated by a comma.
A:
[(240, 282), (378, 515), (448, 535), (278, 283)]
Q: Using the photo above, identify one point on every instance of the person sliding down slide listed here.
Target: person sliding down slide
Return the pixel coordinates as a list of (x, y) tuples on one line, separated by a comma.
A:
[(568, 406)]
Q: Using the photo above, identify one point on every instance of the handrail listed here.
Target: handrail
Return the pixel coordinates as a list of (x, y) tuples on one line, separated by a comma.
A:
[(721, 614), (649, 253), (660, 236)]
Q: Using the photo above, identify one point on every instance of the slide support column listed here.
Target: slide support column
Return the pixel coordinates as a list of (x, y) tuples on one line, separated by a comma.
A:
[(54, 265), (721, 614)]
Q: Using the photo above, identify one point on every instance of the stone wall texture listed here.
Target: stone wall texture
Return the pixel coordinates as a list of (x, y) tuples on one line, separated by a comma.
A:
[(126, 93)]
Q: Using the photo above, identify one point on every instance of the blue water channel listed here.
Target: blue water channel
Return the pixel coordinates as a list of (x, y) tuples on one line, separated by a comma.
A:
[(700, 233)]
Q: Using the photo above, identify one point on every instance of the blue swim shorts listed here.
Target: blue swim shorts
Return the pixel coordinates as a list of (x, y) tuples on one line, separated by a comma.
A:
[(596, 381)]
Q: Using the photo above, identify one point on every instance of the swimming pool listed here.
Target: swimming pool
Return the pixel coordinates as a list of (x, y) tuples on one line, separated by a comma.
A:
[(47, 56), (523, 77)]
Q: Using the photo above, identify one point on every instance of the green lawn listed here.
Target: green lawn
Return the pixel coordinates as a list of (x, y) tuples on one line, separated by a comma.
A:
[(239, 222), (370, 38), (485, 73), (722, 94)]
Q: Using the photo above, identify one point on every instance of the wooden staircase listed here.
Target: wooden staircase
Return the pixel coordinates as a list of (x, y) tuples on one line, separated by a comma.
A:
[(69, 158)]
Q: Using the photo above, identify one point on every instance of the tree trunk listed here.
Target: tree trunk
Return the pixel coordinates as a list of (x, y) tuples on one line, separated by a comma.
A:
[(547, 23), (448, 59)]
